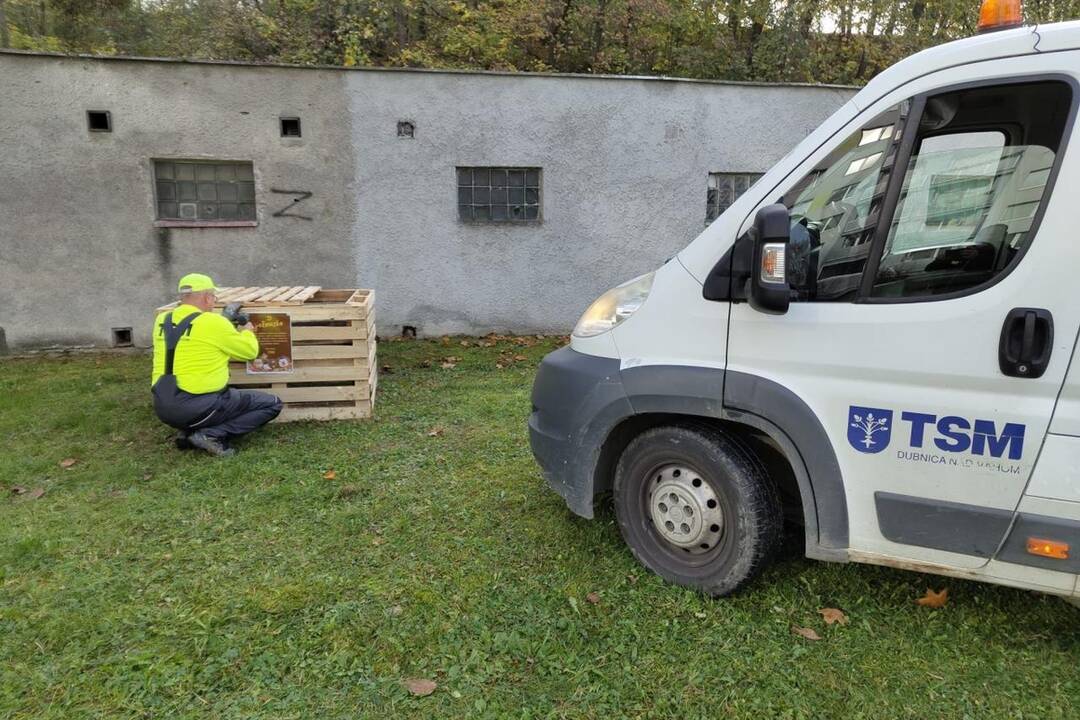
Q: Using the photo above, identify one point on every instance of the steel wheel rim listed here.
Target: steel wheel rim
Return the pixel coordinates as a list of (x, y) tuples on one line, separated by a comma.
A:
[(686, 511)]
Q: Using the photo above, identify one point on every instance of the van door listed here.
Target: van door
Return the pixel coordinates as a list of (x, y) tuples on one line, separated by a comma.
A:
[(933, 310)]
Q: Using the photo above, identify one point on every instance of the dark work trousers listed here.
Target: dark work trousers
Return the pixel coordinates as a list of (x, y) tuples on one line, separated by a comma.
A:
[(235, 413)]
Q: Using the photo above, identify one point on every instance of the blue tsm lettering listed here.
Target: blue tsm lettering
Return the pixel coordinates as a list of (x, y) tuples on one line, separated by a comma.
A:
[(952, 439), (955, 434), (1012, 437), (918, 422)]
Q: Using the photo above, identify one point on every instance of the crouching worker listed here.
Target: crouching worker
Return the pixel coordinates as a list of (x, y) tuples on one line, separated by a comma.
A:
[(192, 349)]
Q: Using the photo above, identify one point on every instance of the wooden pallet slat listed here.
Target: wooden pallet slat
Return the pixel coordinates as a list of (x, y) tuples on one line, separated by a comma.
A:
[(250, 294), (361, 297), (260, 299), (326, 313), (333, 393), (328, 352), (340, 373), (328, 333), (225, 295), (275, 296), (264, 295), (360, 410), (287, 297), (234, 293), (306, 294), (268, 296)]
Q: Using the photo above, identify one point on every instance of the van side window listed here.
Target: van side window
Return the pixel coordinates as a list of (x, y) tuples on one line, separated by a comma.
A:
[(835, 207), (977, 177)]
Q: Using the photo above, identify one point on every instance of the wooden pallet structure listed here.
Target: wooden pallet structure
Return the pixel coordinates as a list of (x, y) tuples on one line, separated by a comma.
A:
[(333, 335)]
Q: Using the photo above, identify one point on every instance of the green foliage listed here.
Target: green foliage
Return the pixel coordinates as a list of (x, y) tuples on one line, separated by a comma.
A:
[(834, 41), (150, 583)]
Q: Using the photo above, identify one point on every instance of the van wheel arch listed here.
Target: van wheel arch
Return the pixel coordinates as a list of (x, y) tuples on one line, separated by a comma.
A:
[(771, 446)]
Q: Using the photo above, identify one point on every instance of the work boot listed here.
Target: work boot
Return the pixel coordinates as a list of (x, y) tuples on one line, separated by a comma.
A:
[(183, 441), (212, 445)]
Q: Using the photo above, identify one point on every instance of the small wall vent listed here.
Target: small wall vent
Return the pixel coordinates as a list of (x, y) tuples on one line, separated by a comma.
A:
[(121, 337), (290, 127), (99, 120)]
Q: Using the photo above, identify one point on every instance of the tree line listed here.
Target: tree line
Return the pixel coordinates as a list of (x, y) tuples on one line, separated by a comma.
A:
[(821, 41)]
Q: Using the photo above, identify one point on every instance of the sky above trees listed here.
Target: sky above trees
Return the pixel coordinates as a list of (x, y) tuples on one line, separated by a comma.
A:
[(830, 41)]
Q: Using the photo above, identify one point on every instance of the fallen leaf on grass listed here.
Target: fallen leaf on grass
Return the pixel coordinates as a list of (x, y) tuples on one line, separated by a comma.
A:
[(449, 365), (17, 490), (499, 366), (435, 431), (804, 632), (420, 687), (68, 462), (832, 615), (593, 597), (329, 474), (520, 358), (934, 599), (377, 541)]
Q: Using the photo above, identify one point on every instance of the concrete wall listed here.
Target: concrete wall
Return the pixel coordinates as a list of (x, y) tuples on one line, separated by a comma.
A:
[(625, 165)]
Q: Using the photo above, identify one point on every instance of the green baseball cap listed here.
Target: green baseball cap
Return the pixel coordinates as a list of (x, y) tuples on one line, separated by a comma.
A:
[(196, 282)]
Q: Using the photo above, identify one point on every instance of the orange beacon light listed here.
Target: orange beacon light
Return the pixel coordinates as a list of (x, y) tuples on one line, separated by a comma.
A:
[(1000, 15)]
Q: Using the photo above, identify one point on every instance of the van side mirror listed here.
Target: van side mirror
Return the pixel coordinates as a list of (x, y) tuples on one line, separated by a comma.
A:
[(770, 291)]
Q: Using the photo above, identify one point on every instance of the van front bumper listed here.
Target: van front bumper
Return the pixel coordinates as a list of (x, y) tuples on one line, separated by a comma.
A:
[(576, 401)]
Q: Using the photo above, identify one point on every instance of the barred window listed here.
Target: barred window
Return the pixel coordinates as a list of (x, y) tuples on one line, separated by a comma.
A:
[(498, 194), (724, 189), (198, 191)]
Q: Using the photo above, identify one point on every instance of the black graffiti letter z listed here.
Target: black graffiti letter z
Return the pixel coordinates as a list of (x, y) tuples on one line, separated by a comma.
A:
[(302, 195)]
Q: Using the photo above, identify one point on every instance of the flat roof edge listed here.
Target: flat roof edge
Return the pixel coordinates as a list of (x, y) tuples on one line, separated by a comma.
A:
[(443, 71)]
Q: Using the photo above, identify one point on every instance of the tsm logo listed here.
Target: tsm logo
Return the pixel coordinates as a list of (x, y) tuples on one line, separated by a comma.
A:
[(870, 430)]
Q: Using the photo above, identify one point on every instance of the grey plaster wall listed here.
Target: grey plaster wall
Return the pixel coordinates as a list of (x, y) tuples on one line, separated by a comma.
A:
[(625, 172), (625, 166), (79, 253)]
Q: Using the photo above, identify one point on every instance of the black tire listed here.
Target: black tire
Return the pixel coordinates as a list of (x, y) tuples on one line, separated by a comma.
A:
[(752, 519)]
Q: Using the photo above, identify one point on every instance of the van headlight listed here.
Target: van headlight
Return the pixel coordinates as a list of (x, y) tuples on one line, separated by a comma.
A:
[(614, 306)]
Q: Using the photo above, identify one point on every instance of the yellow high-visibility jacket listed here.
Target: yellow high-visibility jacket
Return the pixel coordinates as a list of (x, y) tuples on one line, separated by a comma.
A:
[(202, 357)]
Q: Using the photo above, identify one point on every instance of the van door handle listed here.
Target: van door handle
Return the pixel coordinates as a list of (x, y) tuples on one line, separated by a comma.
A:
[(1027, 339)]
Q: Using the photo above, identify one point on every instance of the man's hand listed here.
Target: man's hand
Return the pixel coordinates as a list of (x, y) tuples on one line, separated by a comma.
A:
[(249, 326)]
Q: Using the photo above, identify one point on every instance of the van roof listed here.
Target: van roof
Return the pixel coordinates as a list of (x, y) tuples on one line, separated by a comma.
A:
[(1003, 43)]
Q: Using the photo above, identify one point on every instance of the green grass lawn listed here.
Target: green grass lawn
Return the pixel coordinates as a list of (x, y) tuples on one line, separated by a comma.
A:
[(147, 582)]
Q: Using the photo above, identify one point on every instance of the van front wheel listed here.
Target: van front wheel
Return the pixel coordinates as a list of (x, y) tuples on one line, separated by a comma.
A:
[(696, 507)]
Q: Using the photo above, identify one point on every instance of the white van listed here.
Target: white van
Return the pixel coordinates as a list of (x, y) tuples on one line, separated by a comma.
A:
[(877, 340)]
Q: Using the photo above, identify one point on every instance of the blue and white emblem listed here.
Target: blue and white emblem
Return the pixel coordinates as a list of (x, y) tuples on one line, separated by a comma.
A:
[(869, 429)]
